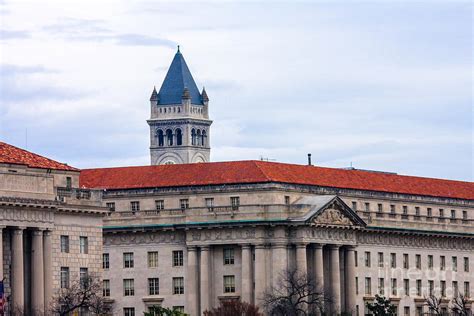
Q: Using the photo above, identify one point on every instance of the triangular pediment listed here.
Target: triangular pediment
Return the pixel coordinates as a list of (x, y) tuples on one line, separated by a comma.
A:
[(329, 210)]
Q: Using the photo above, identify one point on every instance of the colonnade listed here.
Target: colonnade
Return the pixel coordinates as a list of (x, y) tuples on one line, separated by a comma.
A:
[(311, 259), (41, 269)]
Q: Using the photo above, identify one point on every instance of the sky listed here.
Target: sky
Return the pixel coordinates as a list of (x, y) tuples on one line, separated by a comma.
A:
[(381, 85)]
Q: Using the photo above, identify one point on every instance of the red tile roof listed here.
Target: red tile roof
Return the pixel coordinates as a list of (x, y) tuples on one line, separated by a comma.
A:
[(13, 155), (237, 172)]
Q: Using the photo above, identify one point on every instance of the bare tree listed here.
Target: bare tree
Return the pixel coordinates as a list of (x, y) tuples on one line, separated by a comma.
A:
[(81, 294), (295, 295), (459, 305), (434, 304)]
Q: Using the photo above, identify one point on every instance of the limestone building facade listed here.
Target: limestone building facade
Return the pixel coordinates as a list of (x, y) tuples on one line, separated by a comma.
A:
[(50, 230)]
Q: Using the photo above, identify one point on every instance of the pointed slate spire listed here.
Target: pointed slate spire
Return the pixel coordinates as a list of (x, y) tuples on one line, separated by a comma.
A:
[(154, 95), (177, 79), (204, 96)]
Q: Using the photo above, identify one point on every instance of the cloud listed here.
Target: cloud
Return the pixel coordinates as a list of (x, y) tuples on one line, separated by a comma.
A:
[(141, 40), (13, 34)]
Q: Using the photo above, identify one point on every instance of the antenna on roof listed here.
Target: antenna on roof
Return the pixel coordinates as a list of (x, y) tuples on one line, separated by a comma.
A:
[(178, 48), (309, 160), (266, 159)]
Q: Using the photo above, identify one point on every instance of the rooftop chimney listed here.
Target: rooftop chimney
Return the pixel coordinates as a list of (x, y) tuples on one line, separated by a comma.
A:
[(309, 160)]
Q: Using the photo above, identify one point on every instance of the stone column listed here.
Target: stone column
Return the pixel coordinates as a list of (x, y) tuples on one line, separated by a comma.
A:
[(260, 279), (319, 271), (205, 281), (192, 297), (48, 269), (301, 263), (247, 283), (350, 279), (1, 252), (335, 291), (37, 272), (18, 295), (279, 262)]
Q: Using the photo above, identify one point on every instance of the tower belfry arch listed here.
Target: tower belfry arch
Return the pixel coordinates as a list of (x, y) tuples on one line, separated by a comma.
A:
[(179, 121)]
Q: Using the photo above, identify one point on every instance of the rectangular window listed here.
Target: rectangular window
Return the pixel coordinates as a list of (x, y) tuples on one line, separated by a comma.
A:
[(228, 255), (406, 311), (393, 260), (405, 210), (84, 244), (419, 311), (429, 212), (394, 287), (178, 285), (381, 286), (128, 260), (417, 211), (135, 206), (406, 264), (430, 287), (380, 255), (129, 311), (128, 287), (110, 206), (106, 288), (368, 286), (68, 182), (441, 212), (466, 264), (455, 263), (367, 207), (455, 289), (442, 264), (467, 290), (453, 214), (178, 260), (229, 284), (418, 287), (153, 286), (406, 286), (379, 208), (105, 261), (210, 202), (367, 259), (464, 215), (287, 200), (354, 206), (356, 259), (357, 285), (184, 204), (152, 259), (64, 244), (235, 202), (418, 261), (160, 205), (64, 277), (179, 309), (430, 262), (392, 209), (443, 288)]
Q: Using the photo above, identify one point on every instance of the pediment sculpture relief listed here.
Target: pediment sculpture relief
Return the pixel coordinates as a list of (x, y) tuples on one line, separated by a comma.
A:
[(333, 217)]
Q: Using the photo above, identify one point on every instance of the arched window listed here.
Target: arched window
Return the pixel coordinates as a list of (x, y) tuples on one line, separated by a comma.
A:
[(203, 138), (198, 137), (161, 138), (179, 137), (193, 137), (169, 137)]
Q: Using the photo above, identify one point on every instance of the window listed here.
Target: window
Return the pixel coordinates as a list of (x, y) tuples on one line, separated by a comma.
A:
[(429, 212), (68, 182), (129, 311), (179, 308), (406, 311), (128, 260), (177, 258), (287, 200), (418, 261), (153, 286), (83, 245), (367, 259), (406, 286), (105, 261), (184, 204), (467, 290), (152, 259), (235, 202), (169, 136), (161, 138), (356, 259), (354, 206), (464, 215), (453, 214), (178, 285), (357, 285), (160, 205), (228, 255), (466, 264), (368, 286), (110, 206), (455, 263), (442, 264), (419, 311), (135, 206), (381, 286), (128, 287), (229, 284), (430, 262), (179, 137), (83, 277), (417, 211), (393, 260), (441, 212), (394, 287), (367, 207), (443, 288), (64, 244), (455, 289), (392, 209), (430, 287), (406, 263), (105, 288), (210, 203), (418, 287), (379, 208), (64, 277), (405, 210), (380, 259)]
